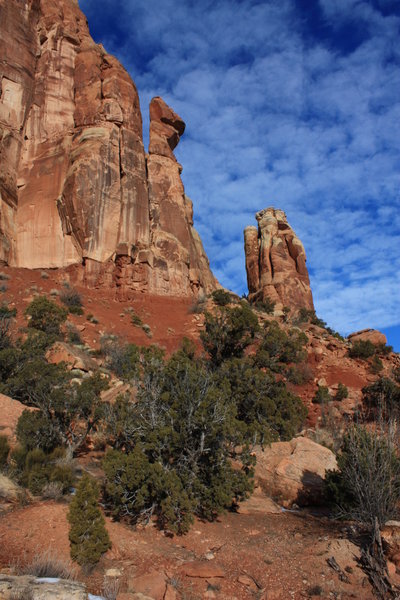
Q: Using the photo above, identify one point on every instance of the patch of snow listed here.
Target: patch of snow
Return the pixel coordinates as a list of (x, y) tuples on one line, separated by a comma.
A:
[(47, 579), (92, 597)]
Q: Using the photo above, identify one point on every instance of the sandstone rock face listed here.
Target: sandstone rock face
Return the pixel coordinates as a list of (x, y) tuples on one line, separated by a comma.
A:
[(40, 588), (10, 412), (276, 262), (370, 335), (294, 472), (73, 176)]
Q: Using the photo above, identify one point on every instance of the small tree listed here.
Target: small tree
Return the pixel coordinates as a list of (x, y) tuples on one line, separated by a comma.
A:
[(221, 297), (88, 536), (278, 347), (342, 392), (45, 315), (382, 398), (362, 349), (228, 332), (322, 395)]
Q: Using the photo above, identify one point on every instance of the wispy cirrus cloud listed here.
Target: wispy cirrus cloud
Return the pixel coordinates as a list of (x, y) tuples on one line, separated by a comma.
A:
[(293, 104)]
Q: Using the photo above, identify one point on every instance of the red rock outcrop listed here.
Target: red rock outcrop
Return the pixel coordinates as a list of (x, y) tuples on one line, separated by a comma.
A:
[(294, 472), (276, 262), (368, 335), (73, 177)]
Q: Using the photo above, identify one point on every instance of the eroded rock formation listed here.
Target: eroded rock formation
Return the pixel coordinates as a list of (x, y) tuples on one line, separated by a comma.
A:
[(74, 188), (368, 335), (276, 262), (294, 472)]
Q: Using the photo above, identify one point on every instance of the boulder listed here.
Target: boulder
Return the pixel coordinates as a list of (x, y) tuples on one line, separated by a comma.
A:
[(390, 533), (203, 569), (293, 472), (10, 412), (40, 588), (368, 335), (74, 358), (152, 584), (276, 262)]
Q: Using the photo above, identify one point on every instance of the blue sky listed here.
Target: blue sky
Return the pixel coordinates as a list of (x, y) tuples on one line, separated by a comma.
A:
[(288, 103)]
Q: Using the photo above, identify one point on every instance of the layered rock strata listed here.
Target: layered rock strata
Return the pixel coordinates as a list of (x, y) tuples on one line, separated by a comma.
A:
[(75, 188), (276, 262)]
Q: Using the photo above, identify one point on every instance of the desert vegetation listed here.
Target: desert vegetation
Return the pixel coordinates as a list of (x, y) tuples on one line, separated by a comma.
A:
[(181, 437), (178, 443)]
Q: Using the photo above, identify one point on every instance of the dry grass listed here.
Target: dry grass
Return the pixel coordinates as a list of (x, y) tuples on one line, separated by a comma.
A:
[(52, 491), (46, 564), (111, 588)]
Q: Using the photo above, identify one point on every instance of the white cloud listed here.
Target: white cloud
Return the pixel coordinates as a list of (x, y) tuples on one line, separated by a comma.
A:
[(278, 117)]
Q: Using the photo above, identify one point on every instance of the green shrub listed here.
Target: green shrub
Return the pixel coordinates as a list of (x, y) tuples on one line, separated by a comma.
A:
[(136, 320), (382, 398), (6, 312), (305, 315), (300, 374), (376, 365), (67, 413), (396, 374), (36, 469), (221, 297), (88, 536), (362, 349), (178, 436), (72, 300), (73, 335), (6, 316), (35, 379), (34, 430), (4, 451), (267, 305), (383, 349), (121, 359), (367, 485), (265, 410), (322, 395), (278, 347), (341, 393), (228, 332), (45, 315), (152, 489)]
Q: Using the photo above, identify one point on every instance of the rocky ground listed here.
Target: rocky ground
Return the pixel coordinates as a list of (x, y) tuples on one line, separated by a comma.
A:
[(243, 556), (263, 551)]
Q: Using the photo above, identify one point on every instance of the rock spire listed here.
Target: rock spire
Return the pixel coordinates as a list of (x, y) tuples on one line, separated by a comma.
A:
[(276, 262)]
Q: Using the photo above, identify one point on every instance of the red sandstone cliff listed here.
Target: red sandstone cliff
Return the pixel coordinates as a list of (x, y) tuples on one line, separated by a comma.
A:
[(276, 262), (75, 184)]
